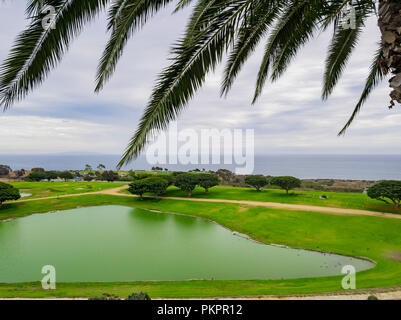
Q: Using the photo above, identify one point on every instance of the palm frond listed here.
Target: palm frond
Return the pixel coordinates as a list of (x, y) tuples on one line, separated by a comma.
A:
[(281, 31), (376, 75), (125, 17), (251, 32), (38, 50), (196, 54), (341, 47)]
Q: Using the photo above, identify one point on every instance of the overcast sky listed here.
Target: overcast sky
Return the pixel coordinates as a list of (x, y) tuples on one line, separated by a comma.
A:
[(64, 115)]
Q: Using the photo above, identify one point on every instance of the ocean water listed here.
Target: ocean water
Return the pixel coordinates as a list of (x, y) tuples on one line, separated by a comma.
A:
[(358, 167)]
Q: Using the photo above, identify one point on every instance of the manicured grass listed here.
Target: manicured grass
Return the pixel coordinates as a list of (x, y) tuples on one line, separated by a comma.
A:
[(50, 189), (373, 237), (336, 199)]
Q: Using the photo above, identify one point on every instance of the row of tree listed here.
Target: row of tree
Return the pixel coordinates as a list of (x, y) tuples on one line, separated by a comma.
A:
[(39, 175), (284, 182), (157, 184)]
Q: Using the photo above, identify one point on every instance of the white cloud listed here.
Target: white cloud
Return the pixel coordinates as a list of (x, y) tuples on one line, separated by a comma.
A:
[(289, 116)]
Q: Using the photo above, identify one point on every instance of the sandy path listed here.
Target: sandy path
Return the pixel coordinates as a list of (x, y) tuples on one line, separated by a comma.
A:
[(274, 205)]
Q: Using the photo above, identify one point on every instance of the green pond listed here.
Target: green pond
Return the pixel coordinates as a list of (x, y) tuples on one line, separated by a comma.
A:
[(116, 243)]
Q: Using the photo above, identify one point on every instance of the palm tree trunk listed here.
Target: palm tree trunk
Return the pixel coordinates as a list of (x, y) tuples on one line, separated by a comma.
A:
[(390, 27)]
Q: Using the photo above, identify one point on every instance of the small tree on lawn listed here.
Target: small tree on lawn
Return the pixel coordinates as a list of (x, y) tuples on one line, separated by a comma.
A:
[(208, 180), (8, 192), (187, 182), (36, 176), (66, 175), (287, 183), (50, 175), (387, 190), (155, 185), (152, 185), (110, 176), (257, 181), (137, 187)]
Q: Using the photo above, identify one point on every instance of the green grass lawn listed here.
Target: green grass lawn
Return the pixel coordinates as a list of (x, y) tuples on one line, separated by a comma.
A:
[(373, 237), (336, 199), (50, 189)]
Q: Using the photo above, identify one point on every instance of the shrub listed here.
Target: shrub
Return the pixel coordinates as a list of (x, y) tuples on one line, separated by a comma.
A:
[(286, 182), (208, 180), (257, 181), (386, 190), (187, 182), (8, 192), (105, 296), (138, 296)]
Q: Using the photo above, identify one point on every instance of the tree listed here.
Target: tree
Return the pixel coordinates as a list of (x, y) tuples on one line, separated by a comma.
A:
[(8, 192), (387, 190), (38, 170), (149, 185), (286, 182), (208, 180), (88, 168), (101, 167), (50, 175), (66, 175), (137, 187), (109, 176), (4, 170), (155, 185), (233, 28), (187, 182), (168, 177), (88, 177), (36, 176), (257, 181)]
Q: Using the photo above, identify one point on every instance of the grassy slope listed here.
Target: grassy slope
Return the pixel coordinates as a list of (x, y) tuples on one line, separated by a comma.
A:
[(49, 189), (336, 199), (371, 237)]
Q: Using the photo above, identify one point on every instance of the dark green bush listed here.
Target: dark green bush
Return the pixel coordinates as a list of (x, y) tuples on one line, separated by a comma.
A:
[(8, 192), (138, 296)]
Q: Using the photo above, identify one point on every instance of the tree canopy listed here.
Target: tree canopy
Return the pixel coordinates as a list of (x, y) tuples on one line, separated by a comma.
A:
[(153, 185), (286, 182), (8, 192), (187, 182), (387, 191), (257, 181), (208, 180)]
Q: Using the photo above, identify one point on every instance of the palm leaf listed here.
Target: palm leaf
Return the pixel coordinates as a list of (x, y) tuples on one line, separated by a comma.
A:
[(37, 51), (196, 55), (376, 75), (125, 17)]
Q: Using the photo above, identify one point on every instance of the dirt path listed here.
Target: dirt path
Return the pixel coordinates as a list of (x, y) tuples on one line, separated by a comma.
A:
[(274, 205)]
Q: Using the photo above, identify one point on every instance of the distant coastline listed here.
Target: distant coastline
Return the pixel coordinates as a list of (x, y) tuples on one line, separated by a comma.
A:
[(346, 167)]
